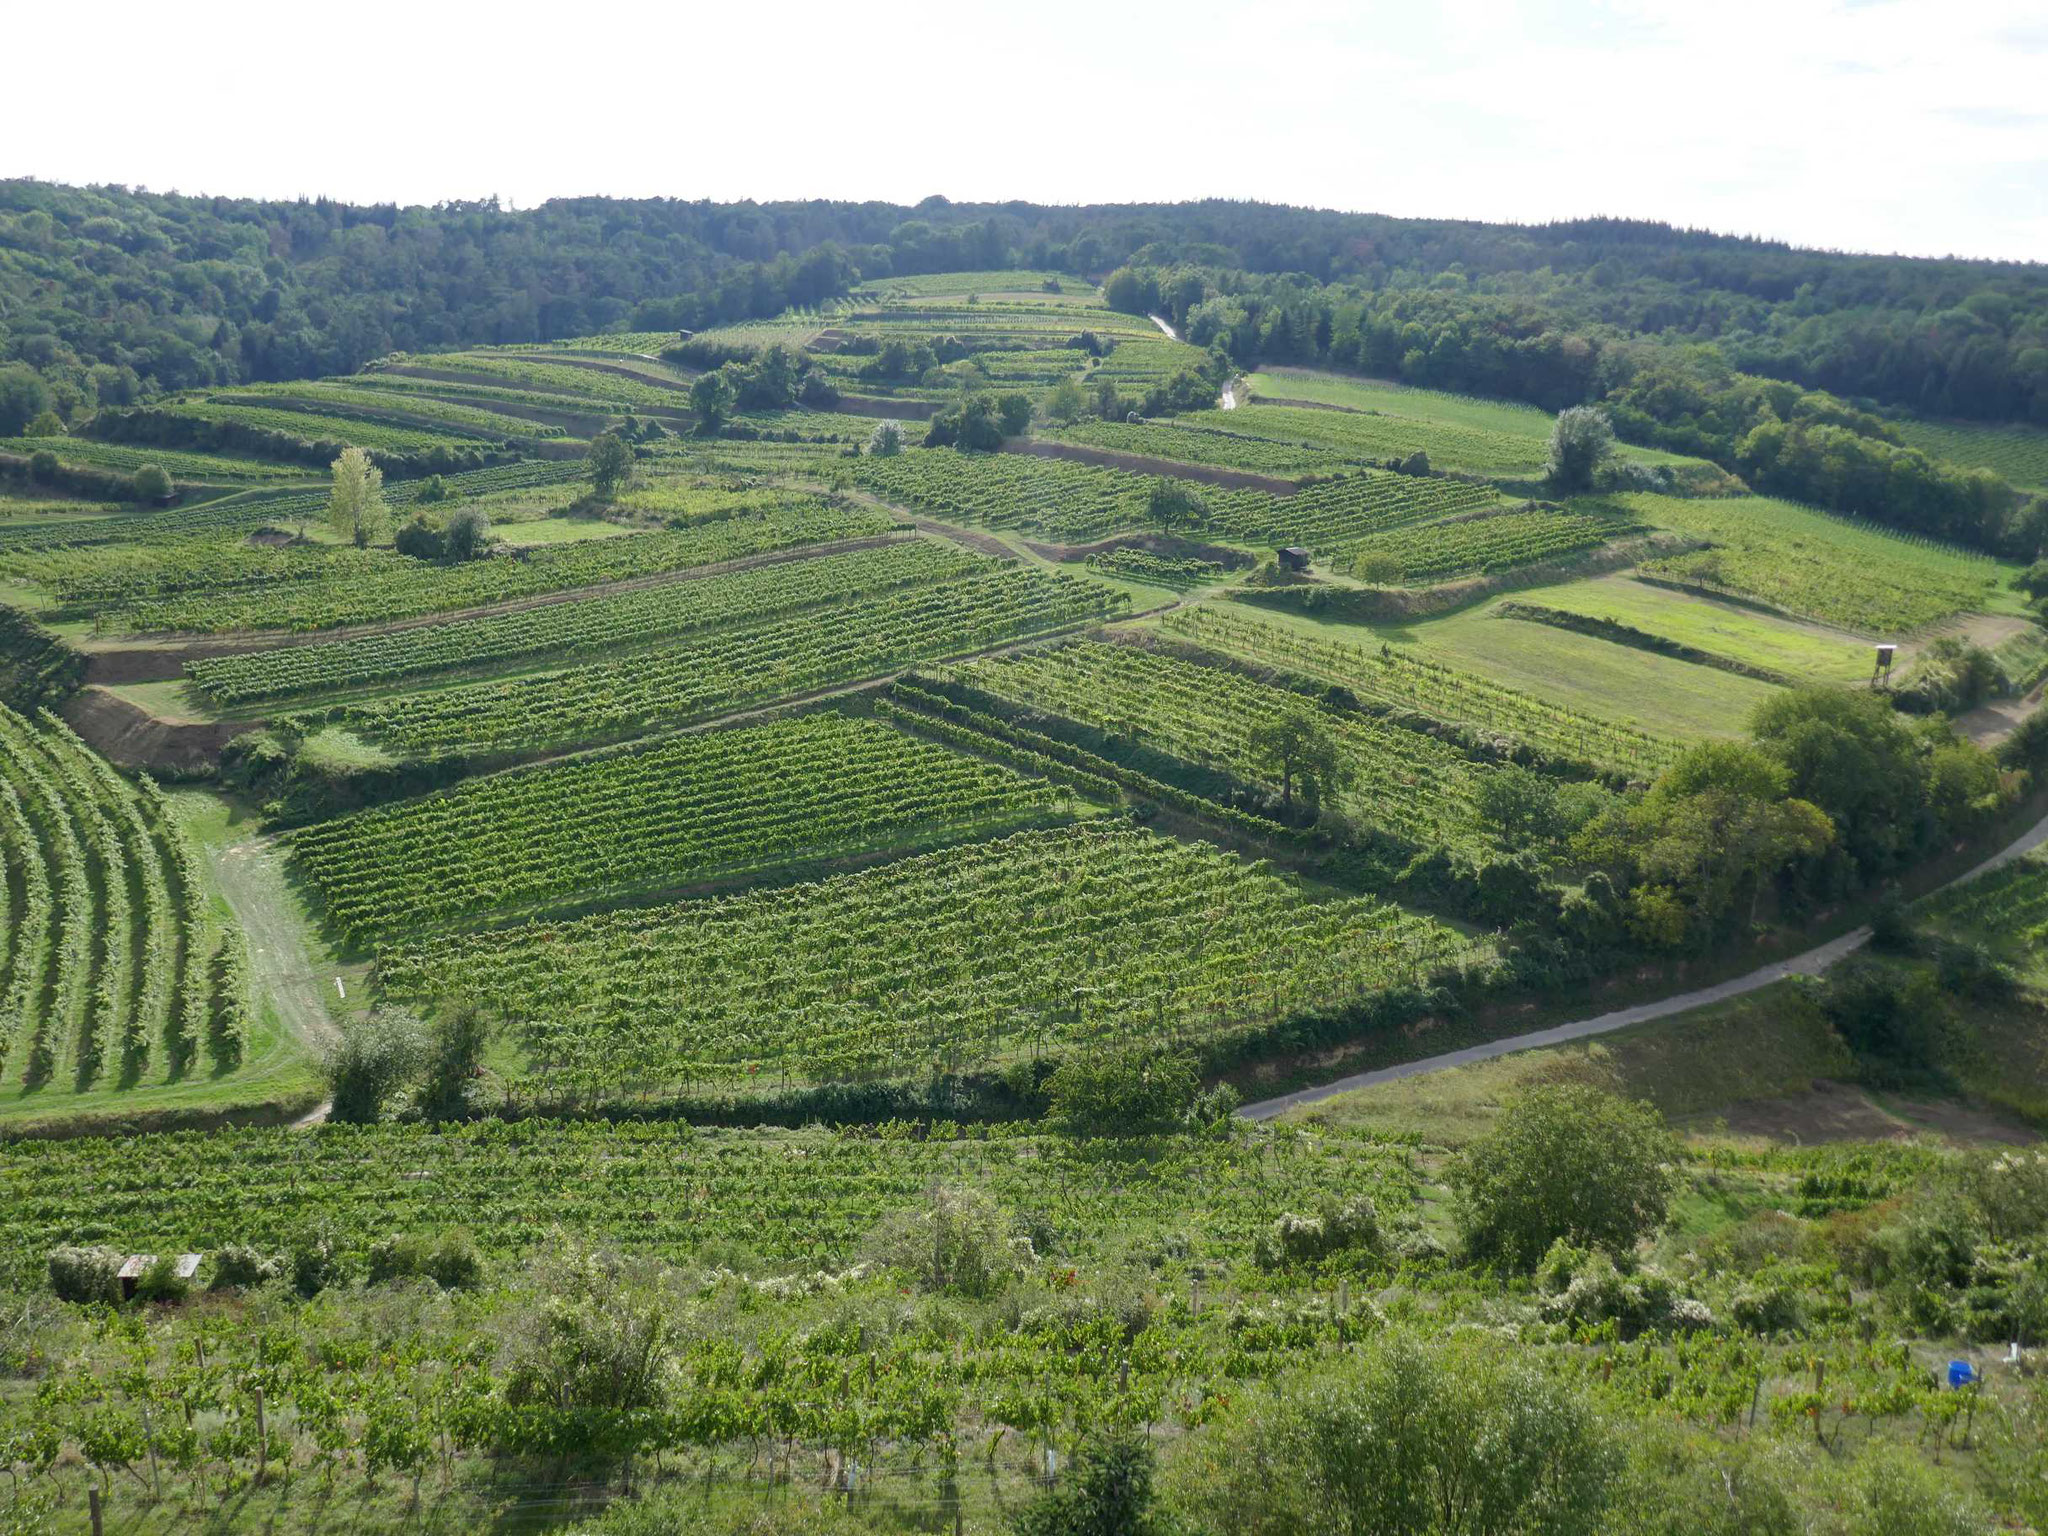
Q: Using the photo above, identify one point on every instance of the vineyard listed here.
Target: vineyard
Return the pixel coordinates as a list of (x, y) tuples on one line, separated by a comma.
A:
[(1159, 570), (705, 807), (367, 589), (1406, 783), (111, 970), (1480, 545), (1818, 566), (727, 980), (2018, 453), (1193, 445), (1079, 502), (1044, 940), (1356, 435), (1404, 680), (576, 628), (772, 659)]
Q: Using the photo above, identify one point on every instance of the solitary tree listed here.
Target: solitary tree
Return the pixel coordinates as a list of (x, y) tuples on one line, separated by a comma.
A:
[(151, 483), (1580, 443), (711, 397), (1567, 1161), (886, 441), (1066, 403), (1300, 749), (468, 533), (356, 507), (609, 462), (1173, 502)]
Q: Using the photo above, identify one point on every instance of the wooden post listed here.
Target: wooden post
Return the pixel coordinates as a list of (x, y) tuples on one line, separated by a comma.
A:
[(262, 1439), (92, 1503), (149, 1440)]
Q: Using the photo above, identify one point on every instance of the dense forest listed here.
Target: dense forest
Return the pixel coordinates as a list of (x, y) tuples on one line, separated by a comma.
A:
[(108, 293)]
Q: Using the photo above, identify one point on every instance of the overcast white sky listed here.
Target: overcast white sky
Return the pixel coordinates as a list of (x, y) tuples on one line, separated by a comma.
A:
[(1918, 126)]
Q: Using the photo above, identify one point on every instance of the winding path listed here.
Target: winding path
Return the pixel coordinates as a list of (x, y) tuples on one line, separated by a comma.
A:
[(1812, 963)]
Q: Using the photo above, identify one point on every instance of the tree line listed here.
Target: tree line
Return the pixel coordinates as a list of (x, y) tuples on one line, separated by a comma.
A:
[(109, 295)]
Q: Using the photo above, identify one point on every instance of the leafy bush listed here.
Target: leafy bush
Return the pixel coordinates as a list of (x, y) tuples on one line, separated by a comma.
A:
[(376, 1055), (151, 483), (161, 1281), (449, 1259), (240, 1265), (85, 1274), (959, 1241), (1390, 1439), (1352, 1228), (315, 1261), (1132, 1091), (1563, 1162)]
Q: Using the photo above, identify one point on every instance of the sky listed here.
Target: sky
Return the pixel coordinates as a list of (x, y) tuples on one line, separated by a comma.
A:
[(1911, 126)]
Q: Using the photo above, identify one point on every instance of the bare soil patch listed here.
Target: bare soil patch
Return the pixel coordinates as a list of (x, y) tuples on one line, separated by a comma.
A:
[(130, 737), (1843, 1112)]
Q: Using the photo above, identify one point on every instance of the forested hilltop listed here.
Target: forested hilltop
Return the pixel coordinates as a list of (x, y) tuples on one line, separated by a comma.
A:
[(109, 295)]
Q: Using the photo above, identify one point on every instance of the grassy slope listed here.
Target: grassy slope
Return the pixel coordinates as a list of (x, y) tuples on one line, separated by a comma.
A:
[(1724, 629), (1608, 681)]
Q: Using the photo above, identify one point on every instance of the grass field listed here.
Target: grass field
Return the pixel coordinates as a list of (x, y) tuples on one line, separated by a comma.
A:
[(1723, 629), (1763, 1046)]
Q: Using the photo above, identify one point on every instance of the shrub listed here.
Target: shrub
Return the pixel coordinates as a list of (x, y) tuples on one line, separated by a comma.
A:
[(468, 533), (1390, 1438), (151, 483), (449, 1259), (1585, 1288), (1107, 1491), (419, 539), (958, 1241), (42, 466), (886, 441), (315, 1261), (161, 1281), (1350, 1228), (1566, 1161), (376, 1055), (85, 1274), (239, 1266), (1133, 1091)]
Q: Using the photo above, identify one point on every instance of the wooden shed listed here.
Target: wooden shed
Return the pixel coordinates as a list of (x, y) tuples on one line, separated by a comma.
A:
[(1293, 558), (132, 1269)]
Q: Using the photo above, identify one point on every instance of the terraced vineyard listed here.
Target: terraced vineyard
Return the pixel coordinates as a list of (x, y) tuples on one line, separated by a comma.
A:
[(804, 1198), (1478, 545), (1414, 786), (959, 958), (1081, 502), (1360, 436), (577, 628), (777, 658), (110, 970), (733, 528), (1193, 445), (712, 806), (178, 463), (2016, 452), (1402, 680), (374, 435), (247, 511), (1160, 570), (364, 397), (1809, 563)]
